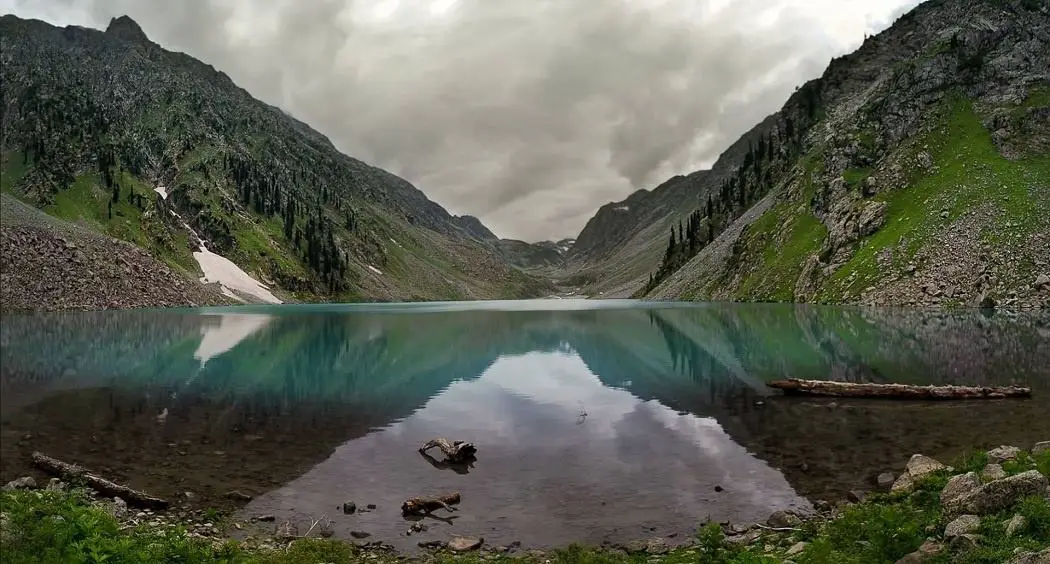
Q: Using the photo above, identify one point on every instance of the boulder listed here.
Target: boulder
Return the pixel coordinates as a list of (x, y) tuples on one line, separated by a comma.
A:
[(919, 466), (1041, 557), (1003, 453), (998, 495), (783, 519), (993, 472), (797, 548), (23, 483), (958, 486), (464, 544), (1040, 447), (925, 553), (904, 483), (885, 480), (962, 525), (1015, 524)]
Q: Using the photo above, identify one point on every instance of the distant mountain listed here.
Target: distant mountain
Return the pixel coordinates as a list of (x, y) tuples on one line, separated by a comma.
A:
[(112, 132), (914, 171)]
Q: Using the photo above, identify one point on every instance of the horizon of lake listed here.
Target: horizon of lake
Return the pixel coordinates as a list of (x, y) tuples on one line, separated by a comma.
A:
[(594, 420)]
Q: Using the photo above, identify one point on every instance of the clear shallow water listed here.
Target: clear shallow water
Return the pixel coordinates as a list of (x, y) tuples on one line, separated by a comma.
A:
[(594, 420)]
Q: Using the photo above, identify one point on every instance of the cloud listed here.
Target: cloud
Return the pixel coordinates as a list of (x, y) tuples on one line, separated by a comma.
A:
[(526, 113)]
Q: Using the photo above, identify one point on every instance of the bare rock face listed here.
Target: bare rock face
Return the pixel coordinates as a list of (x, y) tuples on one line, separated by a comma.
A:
[(998, 495)]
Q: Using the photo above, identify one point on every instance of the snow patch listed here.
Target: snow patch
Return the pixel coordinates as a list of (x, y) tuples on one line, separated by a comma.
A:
[(162, 191), (231, 330), (374, 269), (218, 268)]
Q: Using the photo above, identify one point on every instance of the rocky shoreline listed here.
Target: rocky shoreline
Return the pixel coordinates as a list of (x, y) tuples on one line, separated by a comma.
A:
[(995, 497)]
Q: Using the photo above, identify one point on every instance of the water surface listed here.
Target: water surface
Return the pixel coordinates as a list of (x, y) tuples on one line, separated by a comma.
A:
[(594, 420)]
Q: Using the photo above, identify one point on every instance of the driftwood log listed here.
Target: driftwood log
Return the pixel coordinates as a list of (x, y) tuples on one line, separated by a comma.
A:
[(455, 451), (424, 505), (103, 486), (902, 391)]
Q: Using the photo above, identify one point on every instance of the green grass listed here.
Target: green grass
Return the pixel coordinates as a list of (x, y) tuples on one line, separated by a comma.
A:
[(88, 202), (784, 239), (60, 527), (12, 170), (970, 172), (854, 177)]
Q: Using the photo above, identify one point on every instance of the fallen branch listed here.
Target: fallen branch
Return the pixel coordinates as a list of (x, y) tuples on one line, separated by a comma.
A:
[(902, 391), (103, 486), (455, 451), (777, 529), (423, 505)]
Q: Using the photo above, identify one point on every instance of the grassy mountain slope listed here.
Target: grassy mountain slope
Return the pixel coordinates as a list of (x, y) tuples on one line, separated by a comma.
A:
[(94, 122), (914, 171)]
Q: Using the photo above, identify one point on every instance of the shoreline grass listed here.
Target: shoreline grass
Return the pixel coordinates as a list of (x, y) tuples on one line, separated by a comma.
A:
[(71, 526)]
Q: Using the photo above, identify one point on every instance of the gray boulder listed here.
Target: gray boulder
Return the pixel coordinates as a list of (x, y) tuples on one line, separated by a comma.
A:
[(993, 472), (958, 486), (962, 525), (1003, 453), (998, 495), (919, 466)]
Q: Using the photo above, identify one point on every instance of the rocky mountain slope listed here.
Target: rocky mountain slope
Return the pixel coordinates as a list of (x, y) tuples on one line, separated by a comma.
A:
[(111, 131), (914, 171)]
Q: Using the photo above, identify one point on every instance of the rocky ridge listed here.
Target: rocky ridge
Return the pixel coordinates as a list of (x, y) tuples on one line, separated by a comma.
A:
[(153, 147), (913, 172)]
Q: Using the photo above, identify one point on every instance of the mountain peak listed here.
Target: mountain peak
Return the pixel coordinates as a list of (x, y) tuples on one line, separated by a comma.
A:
[(127, 29)]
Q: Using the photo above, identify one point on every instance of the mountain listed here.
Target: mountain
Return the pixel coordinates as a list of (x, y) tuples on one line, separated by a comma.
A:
[(113, 133), (914, 171)]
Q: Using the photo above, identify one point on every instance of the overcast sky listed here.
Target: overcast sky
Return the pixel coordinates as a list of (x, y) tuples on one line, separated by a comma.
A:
[(526, 113)]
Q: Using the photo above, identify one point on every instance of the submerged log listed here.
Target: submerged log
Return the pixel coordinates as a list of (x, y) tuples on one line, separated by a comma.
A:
[(423, 505), (455, 451), (902, 391), (72, 472)]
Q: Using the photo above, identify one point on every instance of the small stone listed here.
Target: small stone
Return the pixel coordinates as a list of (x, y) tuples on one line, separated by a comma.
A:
[(54, 484), (417, 528), (266, 518), (904, 483), (958, 486), (719, 488), (1003, 453), (993, 472), (782, 519), (1040, 447), (797, 548), (431, 544), (744, 539), (885, 480), (926, 552), (238, 496), (965, 542), (919, 466), (360, 534), (856, 496), (371, 506), (349, 507), (962, 525), (822, 505), (464, 544), (1041, 280), (23, 483), (1015, 524)]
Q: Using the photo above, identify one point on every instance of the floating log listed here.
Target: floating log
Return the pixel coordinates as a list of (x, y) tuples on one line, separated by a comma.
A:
[(72, 472), (455, 451), (424, 505), (900, 391)]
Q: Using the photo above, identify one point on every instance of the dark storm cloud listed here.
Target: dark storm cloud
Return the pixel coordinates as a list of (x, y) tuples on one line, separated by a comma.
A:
[(527, 113)]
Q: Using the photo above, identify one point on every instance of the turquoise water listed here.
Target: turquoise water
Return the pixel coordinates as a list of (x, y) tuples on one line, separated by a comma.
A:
[(594, 420)]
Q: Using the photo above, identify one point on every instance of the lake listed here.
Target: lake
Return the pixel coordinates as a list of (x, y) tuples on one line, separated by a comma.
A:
[(594, 420)]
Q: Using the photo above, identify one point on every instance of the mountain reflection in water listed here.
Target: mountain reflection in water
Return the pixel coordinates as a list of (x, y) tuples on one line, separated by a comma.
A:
[(593, 420)]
